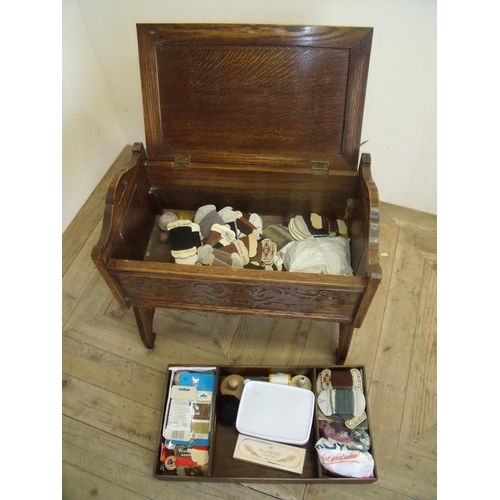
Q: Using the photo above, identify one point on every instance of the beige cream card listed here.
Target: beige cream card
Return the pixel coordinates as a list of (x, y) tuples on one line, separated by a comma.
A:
[(270, 454)]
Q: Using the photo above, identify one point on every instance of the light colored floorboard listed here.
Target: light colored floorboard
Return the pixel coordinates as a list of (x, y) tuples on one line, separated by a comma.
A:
[(111, 413), (408, 474), (352, 492), (104, 458), (250, 340), (86, 295), (280, 491), (120, 338), (390, 374), (288, 339), (80, 485), (427, 222), (419, 227), (420, 409), (321, 342), (424, 445), (106, 370)]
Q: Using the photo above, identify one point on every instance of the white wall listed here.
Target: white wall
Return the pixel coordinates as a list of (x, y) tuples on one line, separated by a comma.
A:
[(91, 134), (400, 109)]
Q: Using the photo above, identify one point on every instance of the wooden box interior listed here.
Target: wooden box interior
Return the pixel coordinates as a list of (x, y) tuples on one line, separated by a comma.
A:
[(264, 119)]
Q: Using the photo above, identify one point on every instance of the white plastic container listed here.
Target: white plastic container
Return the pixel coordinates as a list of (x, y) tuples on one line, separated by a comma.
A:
[(275, 412)]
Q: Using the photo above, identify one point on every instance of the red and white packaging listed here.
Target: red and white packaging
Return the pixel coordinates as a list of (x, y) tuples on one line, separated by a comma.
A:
[(340, 460)]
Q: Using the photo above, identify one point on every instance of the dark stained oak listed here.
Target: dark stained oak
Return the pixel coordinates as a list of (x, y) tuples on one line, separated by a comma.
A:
[(251, 109)]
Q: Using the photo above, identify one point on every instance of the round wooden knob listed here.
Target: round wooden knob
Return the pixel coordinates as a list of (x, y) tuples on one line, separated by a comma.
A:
[(233, 383)]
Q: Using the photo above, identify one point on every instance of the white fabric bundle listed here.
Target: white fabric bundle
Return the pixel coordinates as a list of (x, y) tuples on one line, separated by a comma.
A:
[(326, 255)]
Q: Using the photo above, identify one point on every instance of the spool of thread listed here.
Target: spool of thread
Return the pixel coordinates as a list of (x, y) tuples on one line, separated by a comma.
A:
[(227, 409), (280, 378), (301, 381), (287, 379), (165, 220), (177, 377), (233, 385)]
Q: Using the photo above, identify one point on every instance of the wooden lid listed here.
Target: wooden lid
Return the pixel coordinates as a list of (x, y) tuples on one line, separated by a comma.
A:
[(254, 94)]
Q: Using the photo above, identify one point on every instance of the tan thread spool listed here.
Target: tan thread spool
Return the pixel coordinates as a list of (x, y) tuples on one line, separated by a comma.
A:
[(280, 378), (301, 381)]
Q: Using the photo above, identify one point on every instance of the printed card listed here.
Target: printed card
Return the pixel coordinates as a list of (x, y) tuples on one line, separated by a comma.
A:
[(270, 454)]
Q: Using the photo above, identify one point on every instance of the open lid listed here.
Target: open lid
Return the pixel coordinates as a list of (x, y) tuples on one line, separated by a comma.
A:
[(254, 94)]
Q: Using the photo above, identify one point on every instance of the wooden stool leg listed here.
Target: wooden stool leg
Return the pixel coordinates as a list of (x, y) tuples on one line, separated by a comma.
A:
[(144, 317), (345, 336)]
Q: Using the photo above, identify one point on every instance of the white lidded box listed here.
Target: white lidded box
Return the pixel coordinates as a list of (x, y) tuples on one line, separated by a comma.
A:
[(275, 412)]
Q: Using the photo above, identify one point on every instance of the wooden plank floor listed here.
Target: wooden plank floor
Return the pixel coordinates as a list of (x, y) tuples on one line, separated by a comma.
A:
[(113, 386)]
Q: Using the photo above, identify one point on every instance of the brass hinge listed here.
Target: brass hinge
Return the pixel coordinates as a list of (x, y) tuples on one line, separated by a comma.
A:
[(319, 167), (181, 161)]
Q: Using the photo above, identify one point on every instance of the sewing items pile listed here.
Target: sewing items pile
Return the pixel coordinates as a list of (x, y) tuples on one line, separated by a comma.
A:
[(343, 447), (187, 425), (230, 238)]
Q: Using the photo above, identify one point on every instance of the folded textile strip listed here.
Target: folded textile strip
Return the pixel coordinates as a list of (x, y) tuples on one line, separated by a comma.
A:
[(339, 379), (342, 402)]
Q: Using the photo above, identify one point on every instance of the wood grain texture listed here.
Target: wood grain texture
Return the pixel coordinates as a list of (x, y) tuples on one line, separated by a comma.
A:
[(420, 410), (130, 213), (100, 465), (114, 387), (82, 288), (390, 376), (222, 93), (253, 111)]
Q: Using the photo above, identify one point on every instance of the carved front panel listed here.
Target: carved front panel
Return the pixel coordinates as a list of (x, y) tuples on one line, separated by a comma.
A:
[(312, 301)]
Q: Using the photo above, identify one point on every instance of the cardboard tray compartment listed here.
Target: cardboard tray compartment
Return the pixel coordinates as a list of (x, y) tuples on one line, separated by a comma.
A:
[(224, 468)]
